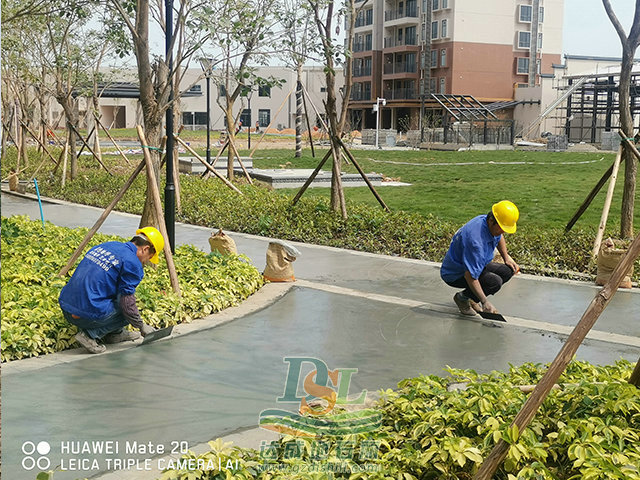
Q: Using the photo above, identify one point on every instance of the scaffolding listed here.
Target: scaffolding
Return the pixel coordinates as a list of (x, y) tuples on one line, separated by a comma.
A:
[(593, 107), (467, 120)]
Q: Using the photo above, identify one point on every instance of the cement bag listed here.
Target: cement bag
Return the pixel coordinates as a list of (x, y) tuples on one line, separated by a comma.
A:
[(13, 181), (280, 256), (610, 254), (222, 243)]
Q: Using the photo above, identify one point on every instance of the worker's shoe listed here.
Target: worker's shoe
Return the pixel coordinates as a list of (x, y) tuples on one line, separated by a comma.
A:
[(464, 304), (121, 336), (89, 343)]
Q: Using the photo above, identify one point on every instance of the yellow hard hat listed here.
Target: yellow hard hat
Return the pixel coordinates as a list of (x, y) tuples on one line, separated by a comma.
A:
[(156, 239), (506, 214)]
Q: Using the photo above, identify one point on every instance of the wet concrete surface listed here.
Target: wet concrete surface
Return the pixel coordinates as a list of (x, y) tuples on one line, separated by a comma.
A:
[(200, 386), (214, 382)]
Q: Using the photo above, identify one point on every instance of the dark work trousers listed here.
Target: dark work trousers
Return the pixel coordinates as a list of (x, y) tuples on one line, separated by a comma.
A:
[(491, 280)]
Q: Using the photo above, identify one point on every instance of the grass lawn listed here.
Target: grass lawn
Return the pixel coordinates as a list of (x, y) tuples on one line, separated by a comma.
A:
[(547, 187)]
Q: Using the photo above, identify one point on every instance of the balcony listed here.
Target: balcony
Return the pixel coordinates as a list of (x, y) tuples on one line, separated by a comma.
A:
[(363, 22), (360, 96), (401, 94), (409, 12), (390, 42), (362, 71), (362, 46), (400, 67)]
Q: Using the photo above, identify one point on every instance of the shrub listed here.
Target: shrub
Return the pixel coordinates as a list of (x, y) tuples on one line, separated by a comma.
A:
[(32, 323), (588, 429)]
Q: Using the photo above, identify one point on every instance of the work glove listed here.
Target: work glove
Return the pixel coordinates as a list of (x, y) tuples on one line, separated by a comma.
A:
[(146, 329), (486, 307)]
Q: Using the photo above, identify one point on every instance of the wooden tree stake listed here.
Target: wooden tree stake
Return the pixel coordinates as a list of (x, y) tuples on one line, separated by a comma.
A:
[(310, 179), (173, 276), (607, 203), (111, 138), (232, 145), (90, 149), (559, 364), (209, 167)]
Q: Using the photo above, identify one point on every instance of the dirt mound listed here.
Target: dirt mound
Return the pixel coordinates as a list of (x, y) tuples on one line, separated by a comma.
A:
[(288, 131)]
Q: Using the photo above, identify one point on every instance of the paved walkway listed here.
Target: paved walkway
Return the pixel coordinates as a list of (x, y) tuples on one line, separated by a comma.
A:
[(390, 318)]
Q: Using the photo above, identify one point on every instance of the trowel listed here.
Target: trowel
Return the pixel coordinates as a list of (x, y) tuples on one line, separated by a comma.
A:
[(492, 316), (157, 335)]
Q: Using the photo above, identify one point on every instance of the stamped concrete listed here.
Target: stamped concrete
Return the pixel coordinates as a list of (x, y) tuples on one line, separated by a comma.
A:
[(390, 318)]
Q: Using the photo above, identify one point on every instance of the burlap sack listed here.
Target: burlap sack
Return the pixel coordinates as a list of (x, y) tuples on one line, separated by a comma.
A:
[(222, 243), (13, 182), (610, 254), (280, 256)]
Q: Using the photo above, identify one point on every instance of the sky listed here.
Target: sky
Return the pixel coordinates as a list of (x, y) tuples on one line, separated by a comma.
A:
[(588, 30)]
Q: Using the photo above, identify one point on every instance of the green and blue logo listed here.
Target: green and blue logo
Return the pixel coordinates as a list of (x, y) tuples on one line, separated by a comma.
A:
[(314, 416)]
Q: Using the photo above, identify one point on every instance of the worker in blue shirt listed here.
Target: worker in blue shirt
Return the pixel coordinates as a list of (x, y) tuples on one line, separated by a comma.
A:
[(100, 299), (469, 264)]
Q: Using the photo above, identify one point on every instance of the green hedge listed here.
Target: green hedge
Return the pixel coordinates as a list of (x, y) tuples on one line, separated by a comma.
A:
[(262, 211), (589, 429), (32, 323)]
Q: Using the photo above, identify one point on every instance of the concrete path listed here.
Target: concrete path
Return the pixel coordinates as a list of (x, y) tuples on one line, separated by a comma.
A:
[(390, 318)]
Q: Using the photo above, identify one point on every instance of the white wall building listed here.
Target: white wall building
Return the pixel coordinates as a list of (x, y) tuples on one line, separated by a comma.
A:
[(275, 106)]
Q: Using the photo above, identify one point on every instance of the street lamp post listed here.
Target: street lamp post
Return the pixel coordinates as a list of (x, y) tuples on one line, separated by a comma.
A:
[(376, 108), (249, 125), (207, 68)]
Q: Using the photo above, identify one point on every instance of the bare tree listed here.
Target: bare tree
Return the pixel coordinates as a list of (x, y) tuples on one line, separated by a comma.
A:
[(629, 46), (242, 32), (155, 76), (333, 54), (300, 42)]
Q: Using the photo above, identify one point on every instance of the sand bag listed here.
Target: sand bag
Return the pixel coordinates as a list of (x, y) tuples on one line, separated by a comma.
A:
[(280, 257), (13, 181), (222, 243), (610, 254)]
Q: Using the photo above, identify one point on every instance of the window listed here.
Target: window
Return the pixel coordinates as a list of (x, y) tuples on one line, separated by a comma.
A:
[(434, 59), (443, 29), (433, 83), (526, 12), (369, 16), (222, 90), (541, 15), (264, 117), (443, 85), (399, 36), (445, 3), (443, 57), (245, 117), (410, 36), (435, 5), (434, 30), (524, 39), (523, 66), (264, 91), (540, 41)]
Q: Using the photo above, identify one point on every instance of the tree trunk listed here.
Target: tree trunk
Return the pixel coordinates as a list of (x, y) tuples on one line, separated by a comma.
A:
[(635, 376), (299, 113), (626, 123), (231, 134)]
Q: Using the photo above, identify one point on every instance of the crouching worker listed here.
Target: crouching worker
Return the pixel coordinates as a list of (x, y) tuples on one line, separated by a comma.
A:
[(100, 299), (468, 263)]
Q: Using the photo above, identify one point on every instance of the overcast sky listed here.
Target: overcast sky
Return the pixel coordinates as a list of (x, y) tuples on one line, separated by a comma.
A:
[(588, 31)]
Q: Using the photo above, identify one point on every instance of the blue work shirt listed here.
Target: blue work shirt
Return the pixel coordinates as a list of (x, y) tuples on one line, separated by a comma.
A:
[(106, 271), (471, 250)]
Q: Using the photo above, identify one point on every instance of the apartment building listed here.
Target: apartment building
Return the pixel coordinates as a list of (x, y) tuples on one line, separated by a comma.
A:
[(405, 50)]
